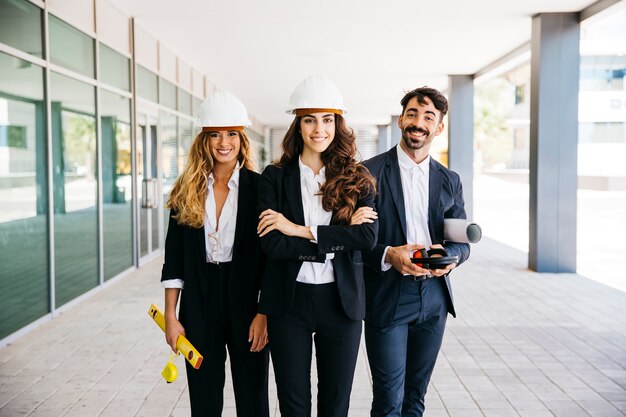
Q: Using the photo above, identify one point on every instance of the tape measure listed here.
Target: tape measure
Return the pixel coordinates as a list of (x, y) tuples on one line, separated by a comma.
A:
[(182, 343)]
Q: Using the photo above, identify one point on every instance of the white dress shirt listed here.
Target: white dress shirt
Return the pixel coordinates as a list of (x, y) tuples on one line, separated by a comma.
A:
[(218, 237), (414, 179), (314, 215)]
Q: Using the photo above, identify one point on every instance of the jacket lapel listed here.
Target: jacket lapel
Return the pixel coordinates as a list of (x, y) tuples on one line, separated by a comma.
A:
[(394, 182), (245, 203), (293, 192), (434, 191)]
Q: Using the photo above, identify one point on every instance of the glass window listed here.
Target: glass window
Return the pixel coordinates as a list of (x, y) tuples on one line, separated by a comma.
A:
[(114, 68), (116, 183), (602, 147), (170, 157), (168, 94), (147, 84), (184, 101), (23, 203), (71, 48), (74, 187), (501, 145), (195, 106), (20, 26)]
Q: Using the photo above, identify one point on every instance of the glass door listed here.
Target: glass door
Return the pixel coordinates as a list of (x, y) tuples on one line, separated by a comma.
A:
[(148, 186)]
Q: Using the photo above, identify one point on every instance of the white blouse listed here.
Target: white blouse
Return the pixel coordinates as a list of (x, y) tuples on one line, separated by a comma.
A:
[(314, 215)]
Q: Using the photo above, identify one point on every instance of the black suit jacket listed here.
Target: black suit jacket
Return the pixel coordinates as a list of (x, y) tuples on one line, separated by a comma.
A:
[(279, 190), (445, 200), (185, 258)]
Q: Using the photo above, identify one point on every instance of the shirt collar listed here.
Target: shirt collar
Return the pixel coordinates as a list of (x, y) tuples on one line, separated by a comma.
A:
[(408, 164), (308, 172), (233, 182)]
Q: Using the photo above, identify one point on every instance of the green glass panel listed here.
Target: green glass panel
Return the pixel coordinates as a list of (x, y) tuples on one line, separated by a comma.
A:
[(184, 101), (23, 203), (114, 68), (20, 26), (116, 183), (71, 48), (168, 94), (74, 187), (147, 84)]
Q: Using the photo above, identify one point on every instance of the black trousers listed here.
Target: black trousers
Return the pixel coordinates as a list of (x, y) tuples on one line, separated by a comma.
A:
[(402, 355), (316, 316), (249, 369)]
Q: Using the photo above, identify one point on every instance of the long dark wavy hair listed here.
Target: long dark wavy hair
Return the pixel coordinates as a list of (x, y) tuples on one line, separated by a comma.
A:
[(346, 179)]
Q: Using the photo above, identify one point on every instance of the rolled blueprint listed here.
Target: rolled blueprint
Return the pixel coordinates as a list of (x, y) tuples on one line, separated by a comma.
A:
[(461, 230)]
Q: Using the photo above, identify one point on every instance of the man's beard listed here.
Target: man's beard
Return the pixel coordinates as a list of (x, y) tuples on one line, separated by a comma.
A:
[(412, 143)]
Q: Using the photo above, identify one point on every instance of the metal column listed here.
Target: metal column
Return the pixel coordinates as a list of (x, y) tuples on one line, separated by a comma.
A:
[(555, 66), (461, 134)]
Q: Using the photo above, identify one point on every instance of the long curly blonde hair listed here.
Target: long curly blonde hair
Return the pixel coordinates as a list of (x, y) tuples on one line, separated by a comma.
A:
[(188, 194)]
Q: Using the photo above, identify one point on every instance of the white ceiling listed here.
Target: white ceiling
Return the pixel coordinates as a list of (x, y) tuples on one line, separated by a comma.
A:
[(373, 50)]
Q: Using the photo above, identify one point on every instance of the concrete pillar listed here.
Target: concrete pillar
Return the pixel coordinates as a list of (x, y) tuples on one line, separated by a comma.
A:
[(555, 66), (461, 134)]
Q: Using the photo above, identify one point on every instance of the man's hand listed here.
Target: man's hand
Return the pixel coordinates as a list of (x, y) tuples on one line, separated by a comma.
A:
[(400, 258), (442, 271)]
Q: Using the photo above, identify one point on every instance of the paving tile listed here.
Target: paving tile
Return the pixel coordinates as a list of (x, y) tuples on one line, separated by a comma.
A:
[(524, 344)]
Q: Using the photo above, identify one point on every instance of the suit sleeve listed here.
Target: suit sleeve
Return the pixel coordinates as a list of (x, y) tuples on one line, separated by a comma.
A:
[(340, 238), (275, 244), (173, 259), (457, 211)]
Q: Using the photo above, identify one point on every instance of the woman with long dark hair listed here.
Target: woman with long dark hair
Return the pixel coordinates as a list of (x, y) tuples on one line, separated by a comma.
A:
[(316, 217), (213, 256)]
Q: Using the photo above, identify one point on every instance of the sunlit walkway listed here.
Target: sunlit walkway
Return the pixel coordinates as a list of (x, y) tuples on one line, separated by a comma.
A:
[(524, 344)]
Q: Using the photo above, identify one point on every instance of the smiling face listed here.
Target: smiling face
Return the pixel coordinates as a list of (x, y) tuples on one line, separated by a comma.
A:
[(225, 146), (318, 131), (420, 123)]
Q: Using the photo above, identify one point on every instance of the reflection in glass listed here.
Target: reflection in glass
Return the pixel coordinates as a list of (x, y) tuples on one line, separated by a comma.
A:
[(20, 26), (116, 183), (74, 187), (71, 48), (147, 84), (114, 68), (23, 203)]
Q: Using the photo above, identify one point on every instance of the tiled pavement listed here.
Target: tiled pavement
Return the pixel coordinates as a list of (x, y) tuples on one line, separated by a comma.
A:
[(524, 344)]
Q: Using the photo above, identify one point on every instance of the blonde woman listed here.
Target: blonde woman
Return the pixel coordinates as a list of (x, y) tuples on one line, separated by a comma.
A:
[(213, 261)]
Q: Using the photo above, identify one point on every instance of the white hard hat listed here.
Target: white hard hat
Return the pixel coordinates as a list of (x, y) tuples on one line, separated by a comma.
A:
[(316, 92), (222, 109)]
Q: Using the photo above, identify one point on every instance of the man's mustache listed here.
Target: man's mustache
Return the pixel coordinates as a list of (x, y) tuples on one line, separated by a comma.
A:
[(415, 129)]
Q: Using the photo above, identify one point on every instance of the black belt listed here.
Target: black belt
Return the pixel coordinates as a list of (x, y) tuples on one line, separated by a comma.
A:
[(419, 277)]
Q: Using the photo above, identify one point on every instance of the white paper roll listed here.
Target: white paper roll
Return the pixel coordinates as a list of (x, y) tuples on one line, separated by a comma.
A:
[(460, 230)]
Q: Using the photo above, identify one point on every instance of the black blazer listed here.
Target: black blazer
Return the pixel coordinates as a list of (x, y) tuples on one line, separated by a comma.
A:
[(185, 258), (279, 190), (445, 200)]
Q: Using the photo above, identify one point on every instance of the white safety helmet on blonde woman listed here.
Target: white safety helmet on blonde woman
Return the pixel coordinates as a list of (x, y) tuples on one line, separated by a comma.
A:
[(222, 111), (316, 94)]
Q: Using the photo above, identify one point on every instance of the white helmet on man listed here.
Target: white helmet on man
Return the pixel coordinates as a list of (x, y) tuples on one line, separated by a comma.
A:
[(318, 93), (222, 111)]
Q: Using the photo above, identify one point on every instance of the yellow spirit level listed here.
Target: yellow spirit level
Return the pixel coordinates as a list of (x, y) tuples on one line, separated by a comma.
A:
[(182, 344)]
